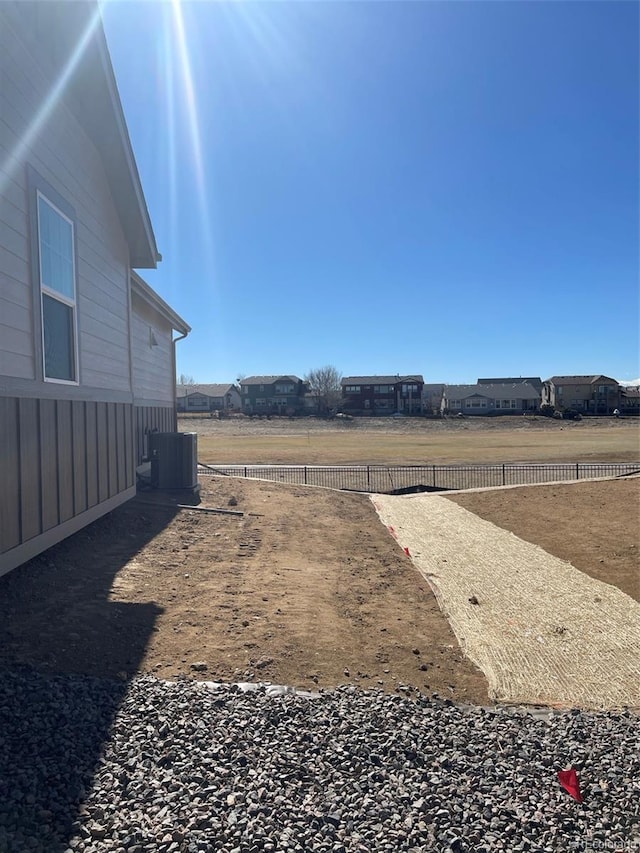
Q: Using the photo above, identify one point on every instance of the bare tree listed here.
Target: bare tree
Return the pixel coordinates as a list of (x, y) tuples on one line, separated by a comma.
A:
[(183, 379), (324, 382)]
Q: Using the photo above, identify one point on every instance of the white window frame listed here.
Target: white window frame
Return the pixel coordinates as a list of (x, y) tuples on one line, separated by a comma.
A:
[(55, 294)]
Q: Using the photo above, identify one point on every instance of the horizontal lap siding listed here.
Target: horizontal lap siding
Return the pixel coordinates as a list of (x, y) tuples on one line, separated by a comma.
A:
[(63, 155), (152, 358), (60, 458)]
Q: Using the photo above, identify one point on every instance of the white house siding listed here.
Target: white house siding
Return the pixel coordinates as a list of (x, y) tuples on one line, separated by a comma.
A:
[(152, 365), (65, 157)]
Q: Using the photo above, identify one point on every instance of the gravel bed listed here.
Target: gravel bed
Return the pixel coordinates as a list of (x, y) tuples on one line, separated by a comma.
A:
[(91, 765)]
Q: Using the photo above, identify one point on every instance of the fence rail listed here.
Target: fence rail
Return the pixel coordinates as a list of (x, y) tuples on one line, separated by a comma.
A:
[(393, 478)]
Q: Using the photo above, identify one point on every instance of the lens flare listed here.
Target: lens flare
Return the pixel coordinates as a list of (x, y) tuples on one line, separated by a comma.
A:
[(14, 159), (166, 62), (187, 80)]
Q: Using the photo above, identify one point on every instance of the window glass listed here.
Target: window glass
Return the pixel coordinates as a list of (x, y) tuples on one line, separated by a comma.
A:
[(58, 291), (56, 250), (59, 350)]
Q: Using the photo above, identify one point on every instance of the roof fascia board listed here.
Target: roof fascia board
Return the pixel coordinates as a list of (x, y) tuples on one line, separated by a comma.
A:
[(127, 148), (141, 289)]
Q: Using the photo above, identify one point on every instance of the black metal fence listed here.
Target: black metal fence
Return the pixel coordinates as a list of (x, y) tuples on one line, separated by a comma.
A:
[(393, 478)]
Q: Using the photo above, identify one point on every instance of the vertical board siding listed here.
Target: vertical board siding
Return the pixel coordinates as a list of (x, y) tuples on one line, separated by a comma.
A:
[(92, 453), (65, 461), (30, 478), (151, 419), (48, 464), (112, 449), (79, 431), (121, 449), (102, 451), (60, 458), (129, 443), (10, 487)]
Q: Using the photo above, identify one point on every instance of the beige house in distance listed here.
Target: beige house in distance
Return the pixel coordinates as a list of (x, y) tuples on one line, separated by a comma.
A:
[(596, 395), (208, 397)]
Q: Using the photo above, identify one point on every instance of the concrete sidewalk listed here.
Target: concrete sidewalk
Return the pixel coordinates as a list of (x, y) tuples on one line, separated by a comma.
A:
[(542, 631)]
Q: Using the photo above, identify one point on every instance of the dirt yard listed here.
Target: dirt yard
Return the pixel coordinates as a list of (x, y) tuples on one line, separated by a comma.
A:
[(306, 587), (594, 526)]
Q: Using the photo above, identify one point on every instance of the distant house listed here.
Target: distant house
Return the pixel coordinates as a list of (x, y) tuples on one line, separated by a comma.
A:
[(223, 397), (630, 400), (272, 395), (432, 394), (596, 395), (86, 349), (534, 381), (499, 399), (382, 395)]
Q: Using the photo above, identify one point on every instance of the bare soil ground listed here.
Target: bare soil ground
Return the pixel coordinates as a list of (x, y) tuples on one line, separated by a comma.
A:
[(541, 630), (594, 526), (307, 587)]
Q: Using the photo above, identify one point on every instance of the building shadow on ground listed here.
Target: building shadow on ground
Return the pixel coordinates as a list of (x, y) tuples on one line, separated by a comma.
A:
[(67, 652)]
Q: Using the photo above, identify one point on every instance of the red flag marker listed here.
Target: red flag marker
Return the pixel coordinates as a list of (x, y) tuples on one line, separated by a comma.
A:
[(406, 551), (570, 782)]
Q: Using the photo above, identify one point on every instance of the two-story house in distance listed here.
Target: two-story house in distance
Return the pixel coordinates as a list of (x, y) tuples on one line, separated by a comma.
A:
[(382, 395), (596, 395), (272, 395)]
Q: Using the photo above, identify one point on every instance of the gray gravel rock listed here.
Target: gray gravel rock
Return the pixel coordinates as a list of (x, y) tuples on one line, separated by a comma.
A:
[(88, 766)]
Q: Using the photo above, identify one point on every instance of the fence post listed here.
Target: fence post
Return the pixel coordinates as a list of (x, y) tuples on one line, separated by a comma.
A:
[(368, 478), (577, 470), (504, 481), (434, 476), (245, 472), (305, 475)]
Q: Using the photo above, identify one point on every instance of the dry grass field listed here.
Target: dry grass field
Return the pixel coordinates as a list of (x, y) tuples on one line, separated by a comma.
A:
[(413, 441)]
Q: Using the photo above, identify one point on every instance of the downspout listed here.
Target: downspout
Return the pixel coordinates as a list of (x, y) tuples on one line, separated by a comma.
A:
[(174, 341)]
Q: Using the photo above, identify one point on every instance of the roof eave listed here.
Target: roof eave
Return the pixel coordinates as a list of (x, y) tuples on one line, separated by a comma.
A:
[(141, 289), (95, 87)]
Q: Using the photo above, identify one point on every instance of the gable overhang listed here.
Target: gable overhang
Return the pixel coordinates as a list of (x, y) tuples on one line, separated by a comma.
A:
[(141, 289), (92, 95)]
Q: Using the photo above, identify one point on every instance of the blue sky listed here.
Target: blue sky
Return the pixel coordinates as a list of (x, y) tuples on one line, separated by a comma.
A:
[(448, 188)]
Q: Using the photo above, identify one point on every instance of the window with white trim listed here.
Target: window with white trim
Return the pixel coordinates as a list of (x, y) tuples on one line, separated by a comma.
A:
[(56, 248)]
